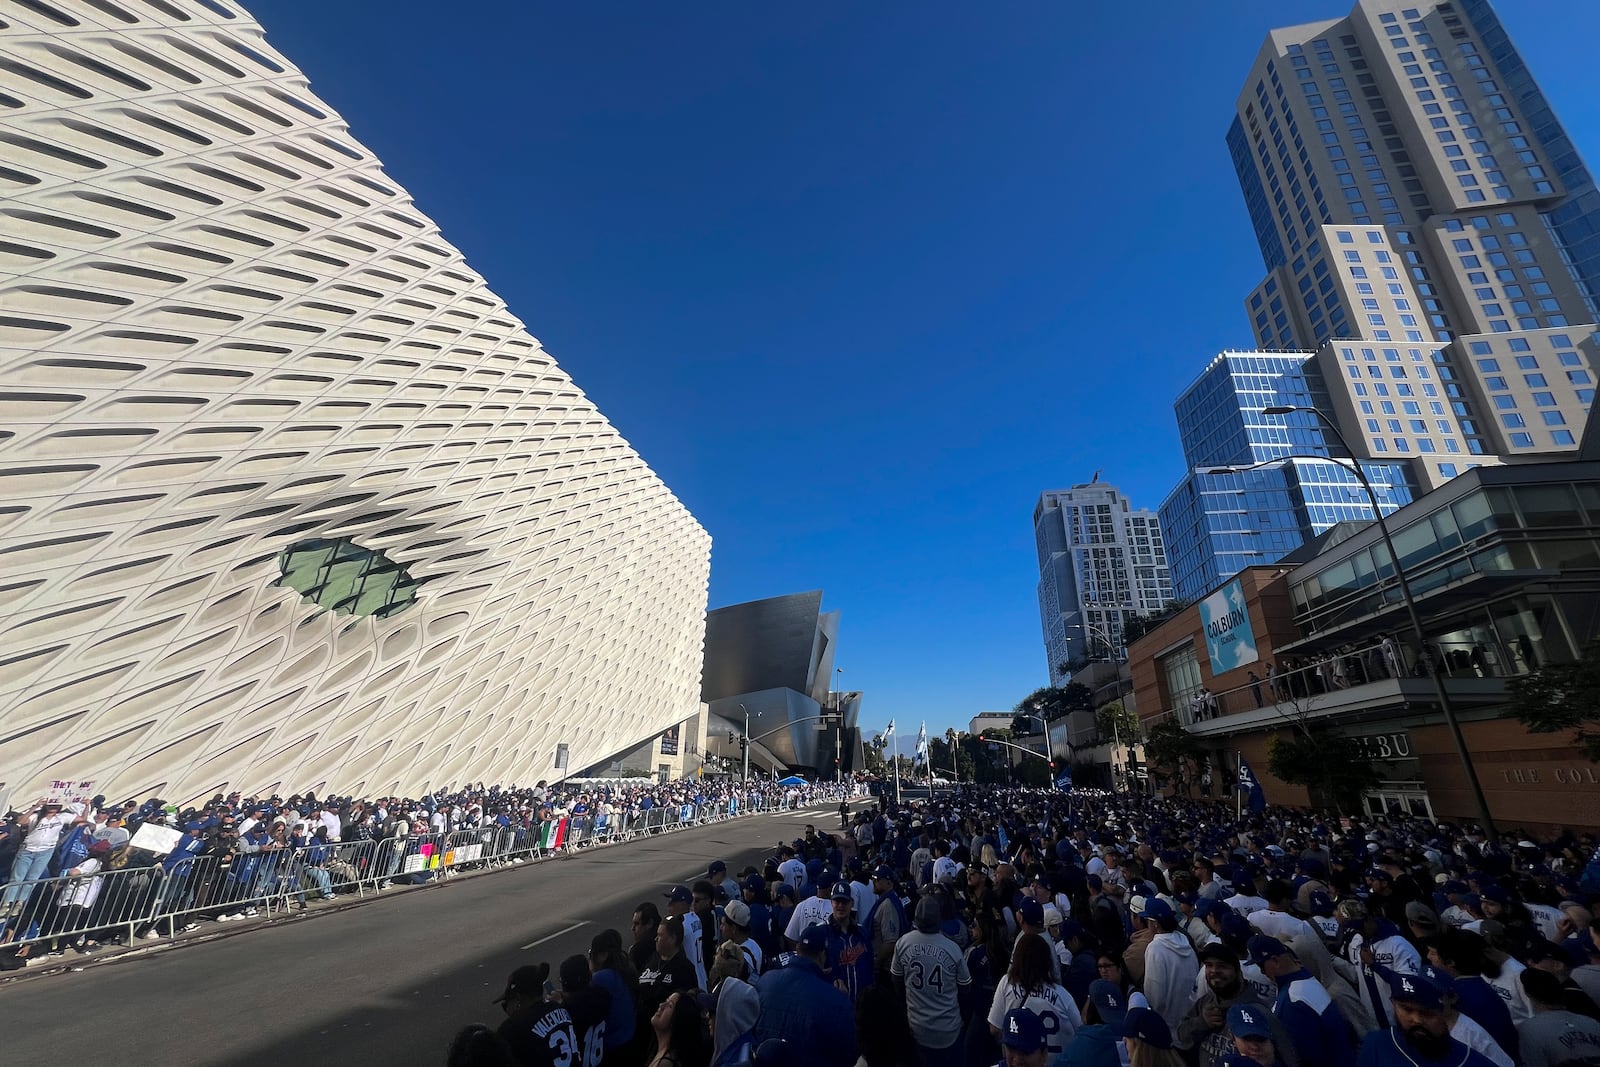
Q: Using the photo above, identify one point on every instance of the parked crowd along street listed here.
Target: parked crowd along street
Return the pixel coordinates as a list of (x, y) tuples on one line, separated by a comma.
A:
[(78, 876), (1045, 929)]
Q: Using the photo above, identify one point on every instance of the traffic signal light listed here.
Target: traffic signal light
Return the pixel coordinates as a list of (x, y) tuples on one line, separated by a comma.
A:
[(730, 737)]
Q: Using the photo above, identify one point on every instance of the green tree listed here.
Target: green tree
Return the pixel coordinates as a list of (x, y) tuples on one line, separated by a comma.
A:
[(1330, 766), (947, 754), (1116, 722), (874, 755), (1172, 752), (1562, 696), (1139, 625), (1052, 702)]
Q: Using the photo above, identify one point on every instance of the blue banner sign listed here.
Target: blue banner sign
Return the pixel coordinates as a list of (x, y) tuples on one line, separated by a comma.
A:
[(1229, 640)]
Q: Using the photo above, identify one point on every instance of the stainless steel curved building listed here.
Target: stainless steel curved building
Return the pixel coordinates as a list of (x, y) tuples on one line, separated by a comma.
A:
[(773, 659), (288, 498)]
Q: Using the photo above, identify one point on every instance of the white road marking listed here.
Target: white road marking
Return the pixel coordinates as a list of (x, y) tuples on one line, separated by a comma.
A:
[(558, 933)]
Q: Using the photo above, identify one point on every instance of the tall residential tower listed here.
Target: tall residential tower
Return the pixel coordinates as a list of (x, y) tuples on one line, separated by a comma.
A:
[(1101, 562), (1428, 230)]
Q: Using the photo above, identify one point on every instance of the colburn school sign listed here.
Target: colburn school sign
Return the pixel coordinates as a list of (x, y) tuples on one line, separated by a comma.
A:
[(1230, 642)]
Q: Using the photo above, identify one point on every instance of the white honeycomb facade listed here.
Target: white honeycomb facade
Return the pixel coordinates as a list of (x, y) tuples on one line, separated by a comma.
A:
[(224, 330)]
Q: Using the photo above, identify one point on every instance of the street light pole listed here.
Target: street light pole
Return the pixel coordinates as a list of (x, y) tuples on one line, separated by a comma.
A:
[(1111, 652), (1411, 611), (746, 745), (838, 726)]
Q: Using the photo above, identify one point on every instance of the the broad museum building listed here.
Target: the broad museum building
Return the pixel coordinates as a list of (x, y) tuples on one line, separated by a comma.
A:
[(289, 500)]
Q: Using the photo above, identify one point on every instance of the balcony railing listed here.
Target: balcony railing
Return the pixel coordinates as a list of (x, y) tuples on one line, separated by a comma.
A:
[(1317, 683)]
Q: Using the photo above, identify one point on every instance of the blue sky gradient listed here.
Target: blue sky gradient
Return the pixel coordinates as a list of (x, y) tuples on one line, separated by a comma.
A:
[(858, 280)]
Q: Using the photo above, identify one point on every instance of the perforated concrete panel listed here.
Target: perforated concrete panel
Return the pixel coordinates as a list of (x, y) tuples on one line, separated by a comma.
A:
[(288, 499)]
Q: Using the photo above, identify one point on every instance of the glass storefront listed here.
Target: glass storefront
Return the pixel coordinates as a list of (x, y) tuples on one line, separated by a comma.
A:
[(1182, 671)]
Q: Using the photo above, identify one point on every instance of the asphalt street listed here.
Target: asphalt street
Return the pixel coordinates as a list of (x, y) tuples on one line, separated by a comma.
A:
[(390, 981)]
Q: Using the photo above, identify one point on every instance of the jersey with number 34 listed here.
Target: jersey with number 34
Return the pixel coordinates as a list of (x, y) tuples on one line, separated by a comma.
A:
[(933, 969)]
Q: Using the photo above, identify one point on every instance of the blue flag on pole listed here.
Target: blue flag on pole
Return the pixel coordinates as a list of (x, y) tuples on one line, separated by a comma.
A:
[(1249, 784)]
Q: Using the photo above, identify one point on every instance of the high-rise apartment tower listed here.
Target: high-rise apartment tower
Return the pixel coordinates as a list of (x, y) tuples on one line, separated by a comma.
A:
[(1101, 562), (1428, 230)]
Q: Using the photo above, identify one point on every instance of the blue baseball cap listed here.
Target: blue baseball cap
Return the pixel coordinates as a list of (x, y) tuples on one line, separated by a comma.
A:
[(1031, 912), (1235, 927), (841, 891), (786, 890), (717, 867), (1206, 905), (1156, 908), (1248, 1020), (885, 872), (1145, 1025), (1022, 1030), (814, 938), (1321, 903), (680, 895), (1263, 948), (754, 883), (1415, 989), (1108, 1000)]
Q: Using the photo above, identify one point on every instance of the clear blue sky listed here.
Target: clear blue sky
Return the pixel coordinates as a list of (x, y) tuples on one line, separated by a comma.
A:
[(859, 280)]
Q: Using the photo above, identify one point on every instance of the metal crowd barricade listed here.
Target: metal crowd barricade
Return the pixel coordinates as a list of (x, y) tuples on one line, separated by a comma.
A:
[(170, 897)]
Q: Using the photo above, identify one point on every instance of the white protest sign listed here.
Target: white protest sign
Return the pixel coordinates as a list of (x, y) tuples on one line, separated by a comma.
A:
[(158, 839), (69, 792)]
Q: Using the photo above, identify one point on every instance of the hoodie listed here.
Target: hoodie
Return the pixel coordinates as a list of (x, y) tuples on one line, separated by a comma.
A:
[(1094, 1046), (737, 1009), (1170, 966)]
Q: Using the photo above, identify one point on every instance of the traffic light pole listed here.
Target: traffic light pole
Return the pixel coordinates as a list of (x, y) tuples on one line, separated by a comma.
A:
[(1026, 751)]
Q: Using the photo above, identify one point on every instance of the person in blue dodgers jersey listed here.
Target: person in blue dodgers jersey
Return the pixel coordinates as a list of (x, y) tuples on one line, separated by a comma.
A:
[(800, 1005), (886, 920), (1316, 1026), (1420, 1036), (1027, 985), (849, 956)]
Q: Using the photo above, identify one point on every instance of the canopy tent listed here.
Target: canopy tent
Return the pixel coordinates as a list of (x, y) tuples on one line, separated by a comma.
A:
[(793, 779)]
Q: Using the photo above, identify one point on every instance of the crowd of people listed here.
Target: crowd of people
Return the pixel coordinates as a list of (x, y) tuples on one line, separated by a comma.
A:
[(72, 874), (1036, 928)]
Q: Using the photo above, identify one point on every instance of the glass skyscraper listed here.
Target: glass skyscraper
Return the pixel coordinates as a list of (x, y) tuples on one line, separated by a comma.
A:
[(1258, 487)]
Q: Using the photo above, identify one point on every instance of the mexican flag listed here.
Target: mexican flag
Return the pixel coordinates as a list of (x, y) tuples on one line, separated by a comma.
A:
[(553, 834)]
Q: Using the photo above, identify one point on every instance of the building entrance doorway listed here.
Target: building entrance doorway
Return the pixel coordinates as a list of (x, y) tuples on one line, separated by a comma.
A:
[(1398, 799)]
